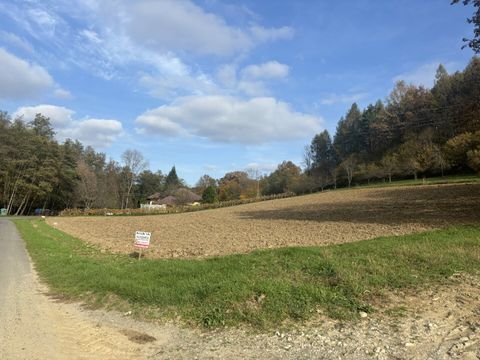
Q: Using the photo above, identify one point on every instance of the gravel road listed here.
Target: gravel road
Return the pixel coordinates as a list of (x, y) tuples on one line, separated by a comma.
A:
[(33, 326)]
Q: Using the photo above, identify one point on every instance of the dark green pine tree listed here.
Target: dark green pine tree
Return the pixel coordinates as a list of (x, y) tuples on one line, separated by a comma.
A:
[(172, 181)]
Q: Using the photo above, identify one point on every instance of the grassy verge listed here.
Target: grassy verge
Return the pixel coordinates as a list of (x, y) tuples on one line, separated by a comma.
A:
[(262, 288)]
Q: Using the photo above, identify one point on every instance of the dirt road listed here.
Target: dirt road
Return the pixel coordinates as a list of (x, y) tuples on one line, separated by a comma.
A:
[(33, 326), (436, 323)]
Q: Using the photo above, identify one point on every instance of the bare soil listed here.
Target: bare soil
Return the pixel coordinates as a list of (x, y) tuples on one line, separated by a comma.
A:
[(319, 219)]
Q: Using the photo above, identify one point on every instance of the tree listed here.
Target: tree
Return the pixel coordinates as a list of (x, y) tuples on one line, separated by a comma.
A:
[(41, 126), (204, 182), (348, 136), (473, 157), (349, 165), (389, 165), (87, 184), (133, 164), (235, 185), (209, 195), (255, 174), (172, 181), (322, 158), (148, 183), (473, 43), (456, 148), (284, 179)]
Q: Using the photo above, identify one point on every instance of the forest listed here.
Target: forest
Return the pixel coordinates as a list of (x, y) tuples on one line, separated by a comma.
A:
[(414, 132)]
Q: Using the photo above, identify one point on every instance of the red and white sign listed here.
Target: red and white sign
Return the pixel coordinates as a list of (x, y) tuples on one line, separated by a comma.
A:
[(142, 239)]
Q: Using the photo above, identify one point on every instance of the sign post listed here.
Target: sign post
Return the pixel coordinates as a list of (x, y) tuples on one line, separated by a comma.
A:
[(142, 241)]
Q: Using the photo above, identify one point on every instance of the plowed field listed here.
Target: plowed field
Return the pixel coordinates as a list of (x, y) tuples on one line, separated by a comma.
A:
[(319, 219)]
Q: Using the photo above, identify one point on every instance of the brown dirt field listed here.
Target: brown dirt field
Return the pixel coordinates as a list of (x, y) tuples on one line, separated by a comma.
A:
[(318, 219)]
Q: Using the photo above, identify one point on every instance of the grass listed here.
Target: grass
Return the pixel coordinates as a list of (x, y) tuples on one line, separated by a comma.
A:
[(453, 179), (263, 288)]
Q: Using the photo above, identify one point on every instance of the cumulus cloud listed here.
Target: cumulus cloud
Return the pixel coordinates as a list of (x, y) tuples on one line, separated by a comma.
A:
[(90, 131), (252, 88), (96, 132), (252, 79), (228, 119), (268, 70), (60, 117), (20, 79)]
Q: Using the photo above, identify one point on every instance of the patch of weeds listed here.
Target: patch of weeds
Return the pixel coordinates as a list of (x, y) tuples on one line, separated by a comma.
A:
[(214, 318)]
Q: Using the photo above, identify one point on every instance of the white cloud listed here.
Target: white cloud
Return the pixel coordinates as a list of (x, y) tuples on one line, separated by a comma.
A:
[(229, 119), (227, 75), (268, 70), (60, 117), (163, 86), (96, 132), (181, 25), (332, 99), (90, 131), (156, 42), (271, 34), (43, 19), (20, 79), (252, 79), (91, 36), (62, 94), (253, 88)]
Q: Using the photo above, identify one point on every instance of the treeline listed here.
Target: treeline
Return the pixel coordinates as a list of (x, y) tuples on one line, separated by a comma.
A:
[(36, 172), (415, 132)]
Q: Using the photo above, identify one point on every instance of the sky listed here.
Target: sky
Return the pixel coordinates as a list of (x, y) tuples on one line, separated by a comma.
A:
[(213, 86)]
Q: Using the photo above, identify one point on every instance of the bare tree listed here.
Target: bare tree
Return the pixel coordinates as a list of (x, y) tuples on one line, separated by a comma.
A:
[(349, 165), (255, 174), (133, 164)]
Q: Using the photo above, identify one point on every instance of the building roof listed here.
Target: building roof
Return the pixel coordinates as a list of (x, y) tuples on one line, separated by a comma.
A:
[(179, 196), (156, 196), (169, 200)]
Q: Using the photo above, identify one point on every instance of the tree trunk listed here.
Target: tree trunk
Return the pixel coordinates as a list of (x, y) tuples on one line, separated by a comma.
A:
[(21, 205)]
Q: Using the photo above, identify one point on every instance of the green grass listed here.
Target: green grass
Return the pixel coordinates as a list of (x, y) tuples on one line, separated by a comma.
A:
[(263, 288)]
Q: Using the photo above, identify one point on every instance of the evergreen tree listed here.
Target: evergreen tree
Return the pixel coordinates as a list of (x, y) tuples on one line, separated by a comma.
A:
[(172, 181), (323, 158)]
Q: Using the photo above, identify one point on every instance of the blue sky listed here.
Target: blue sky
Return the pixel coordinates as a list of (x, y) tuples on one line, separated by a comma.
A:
[(212, 86)]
